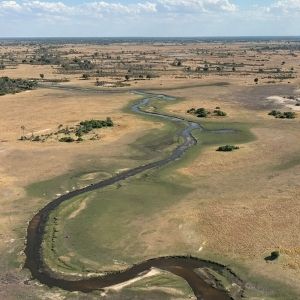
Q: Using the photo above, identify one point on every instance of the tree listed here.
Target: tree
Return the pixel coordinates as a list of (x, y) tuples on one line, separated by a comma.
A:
[(127, 77), (23, 130), (256, 80), (42, 76)]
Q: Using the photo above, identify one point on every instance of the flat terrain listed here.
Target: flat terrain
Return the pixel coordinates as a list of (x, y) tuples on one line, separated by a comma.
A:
[(234, 208)]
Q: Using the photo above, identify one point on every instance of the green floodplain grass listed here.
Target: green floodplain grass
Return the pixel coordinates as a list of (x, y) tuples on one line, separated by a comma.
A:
[(106, 234)]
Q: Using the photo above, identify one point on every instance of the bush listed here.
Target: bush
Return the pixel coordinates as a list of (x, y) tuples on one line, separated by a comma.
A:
[(191, 111), (282, 115), (36, 139), (274, 255), (11, 86), (203, 113), (220, 113), (227, 148), (289, 115), (85, 76), (66, 139)]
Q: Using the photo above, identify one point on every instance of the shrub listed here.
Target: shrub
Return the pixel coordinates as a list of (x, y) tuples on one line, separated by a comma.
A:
[(227, 148), (289, 115), (66, 139), (274, 255), (191, 111), (85, 76), (201, 114), (282, 115), (220, 113), (36, 139)]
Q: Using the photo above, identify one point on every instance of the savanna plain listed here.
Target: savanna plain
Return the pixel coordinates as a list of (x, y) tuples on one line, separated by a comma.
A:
[(67, 123)]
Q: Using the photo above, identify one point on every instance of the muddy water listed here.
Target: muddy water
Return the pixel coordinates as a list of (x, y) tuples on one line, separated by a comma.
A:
[(182, 266)]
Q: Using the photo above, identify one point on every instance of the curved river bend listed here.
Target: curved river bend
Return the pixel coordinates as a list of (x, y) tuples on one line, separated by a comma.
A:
[(184, 267)]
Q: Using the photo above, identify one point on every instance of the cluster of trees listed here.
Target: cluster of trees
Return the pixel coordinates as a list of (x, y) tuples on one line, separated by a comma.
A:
[(11, 86), (204, 113), (87, 126), (43, 56), (282, 115), (78, 64), (140, 76), (70, 134), (227, 148)]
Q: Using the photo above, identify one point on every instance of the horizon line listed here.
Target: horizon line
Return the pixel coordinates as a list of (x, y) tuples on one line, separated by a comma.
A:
[(158, 37)]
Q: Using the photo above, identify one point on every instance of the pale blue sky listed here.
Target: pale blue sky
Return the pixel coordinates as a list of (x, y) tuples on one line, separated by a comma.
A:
[(31, 18)]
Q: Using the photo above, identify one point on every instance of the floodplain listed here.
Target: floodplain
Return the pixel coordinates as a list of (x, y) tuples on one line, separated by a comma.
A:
[(233, 208)]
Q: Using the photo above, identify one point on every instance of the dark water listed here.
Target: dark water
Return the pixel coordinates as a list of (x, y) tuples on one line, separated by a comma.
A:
[(181, 266)]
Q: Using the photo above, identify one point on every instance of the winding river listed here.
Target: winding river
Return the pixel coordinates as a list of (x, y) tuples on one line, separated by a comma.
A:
[(185, 267)]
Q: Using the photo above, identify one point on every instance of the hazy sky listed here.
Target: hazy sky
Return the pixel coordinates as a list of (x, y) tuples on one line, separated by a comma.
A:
[(32, 18)]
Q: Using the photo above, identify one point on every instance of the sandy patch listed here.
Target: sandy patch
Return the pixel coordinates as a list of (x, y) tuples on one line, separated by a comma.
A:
[(81, 207), (277, 99), (167, 290), (293, 107), (289, 103), (118, 287)]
